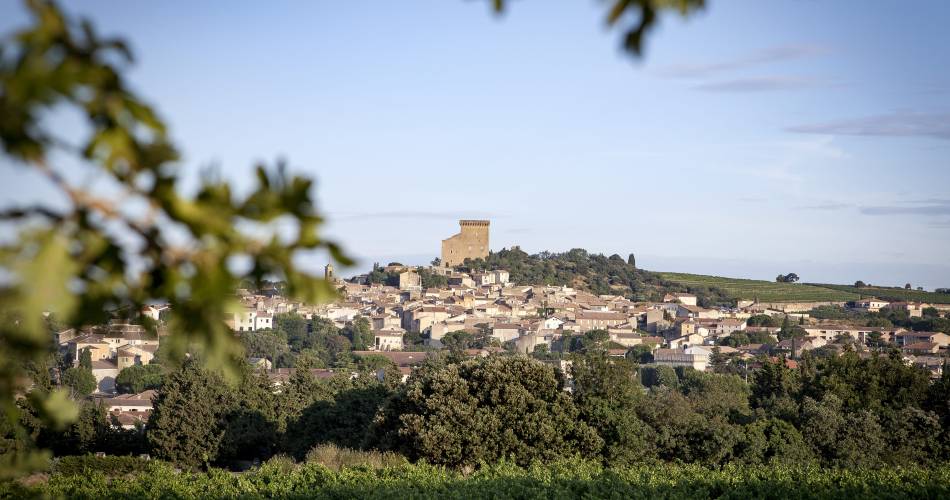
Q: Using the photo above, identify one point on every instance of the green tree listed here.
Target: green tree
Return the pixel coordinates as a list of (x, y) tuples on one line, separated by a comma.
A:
[(293, 327), (188, 423), (662, 375), (252, 423), (463, 413), (777, 390), (641, 353), (80, 381), (137, 378), (85, 359), (85, 435), (761, 320), (607, 393), (458, 340), (774, 441), (359, 333), (271, 345)]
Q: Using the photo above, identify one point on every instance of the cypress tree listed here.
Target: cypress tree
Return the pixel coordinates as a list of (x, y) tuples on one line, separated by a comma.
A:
[(187, 425)]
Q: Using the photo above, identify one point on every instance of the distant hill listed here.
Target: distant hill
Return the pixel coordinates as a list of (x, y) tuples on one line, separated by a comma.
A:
[(595, 273), (763, 291), (616, 275)]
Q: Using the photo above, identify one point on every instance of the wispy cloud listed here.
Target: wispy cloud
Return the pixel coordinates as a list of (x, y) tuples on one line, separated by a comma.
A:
[(898, 124), (412, 215), (766, 56), (826, 206), (933, 207), (759, 84)]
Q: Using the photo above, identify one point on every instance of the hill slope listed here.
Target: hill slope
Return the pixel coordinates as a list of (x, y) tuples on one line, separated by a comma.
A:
[(763, 291), (601, 275)]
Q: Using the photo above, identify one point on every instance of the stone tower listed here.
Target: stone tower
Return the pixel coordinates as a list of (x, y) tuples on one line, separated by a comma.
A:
[(328, 272), (470, 243)]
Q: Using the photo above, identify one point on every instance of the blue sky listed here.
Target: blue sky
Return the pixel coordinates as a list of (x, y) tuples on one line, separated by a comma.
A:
[(754, 137)]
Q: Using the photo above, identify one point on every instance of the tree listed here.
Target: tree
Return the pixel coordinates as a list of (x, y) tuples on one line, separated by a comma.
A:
[(359, 333), (661, 375), (271, 345), (137, 378), (541, 351), (342, 419), (293, 327), (907, 286), (188, 422), (80, 381), (458, 340), (607, 393), (463, 413), (859, 284), (787, 278), (640, 353), (761, 320), (632, 260), (85, 359), (431, 279), (85, 435)]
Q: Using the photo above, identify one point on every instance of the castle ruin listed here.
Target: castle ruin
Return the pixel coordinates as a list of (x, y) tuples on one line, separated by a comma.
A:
[(470, 243)]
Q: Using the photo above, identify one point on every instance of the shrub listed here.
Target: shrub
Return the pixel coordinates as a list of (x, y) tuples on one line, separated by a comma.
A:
[(109, 465), (334, 458)]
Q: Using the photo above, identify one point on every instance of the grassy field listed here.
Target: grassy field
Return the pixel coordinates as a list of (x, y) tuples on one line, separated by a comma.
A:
[(764, 291), (893, 294)]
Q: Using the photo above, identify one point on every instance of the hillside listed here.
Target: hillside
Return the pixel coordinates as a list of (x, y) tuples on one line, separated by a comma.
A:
[(763, 291), (576, 268), (600, 274), (890, 293)]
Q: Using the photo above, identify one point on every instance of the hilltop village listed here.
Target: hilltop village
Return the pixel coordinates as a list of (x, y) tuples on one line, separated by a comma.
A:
[(407, 313)]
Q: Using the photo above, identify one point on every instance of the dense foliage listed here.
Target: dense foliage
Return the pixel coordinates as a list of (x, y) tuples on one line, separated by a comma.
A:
[(137, 378), (564, 479), (577, 268), (484, 410)]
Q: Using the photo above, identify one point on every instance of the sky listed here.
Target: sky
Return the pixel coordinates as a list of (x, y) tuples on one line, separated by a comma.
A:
[(753, 138)]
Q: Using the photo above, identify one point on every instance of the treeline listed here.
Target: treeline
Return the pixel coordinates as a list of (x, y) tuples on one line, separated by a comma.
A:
[(460, 412), (296, 342), (596, 273)]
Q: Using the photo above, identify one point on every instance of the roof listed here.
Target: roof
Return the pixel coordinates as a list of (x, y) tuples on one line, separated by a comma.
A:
[(921, 346), (104, 364), (597, 315), (142, 399), (401, 358)]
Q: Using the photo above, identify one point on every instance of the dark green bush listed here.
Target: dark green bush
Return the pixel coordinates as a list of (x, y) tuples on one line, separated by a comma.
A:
[(108, 465)]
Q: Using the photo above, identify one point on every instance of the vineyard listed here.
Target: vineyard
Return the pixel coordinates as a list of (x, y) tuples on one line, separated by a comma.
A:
[(763, 291), (895, 294), (281, 478)]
